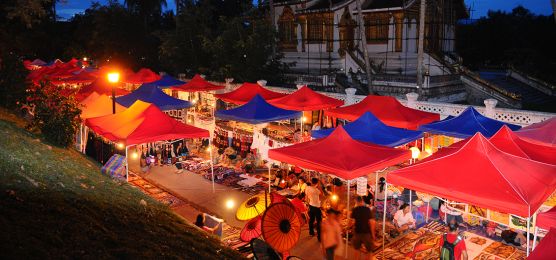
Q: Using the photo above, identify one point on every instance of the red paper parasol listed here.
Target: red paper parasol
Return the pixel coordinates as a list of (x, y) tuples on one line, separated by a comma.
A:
[(251, 230), (281, 227), (277, 198)]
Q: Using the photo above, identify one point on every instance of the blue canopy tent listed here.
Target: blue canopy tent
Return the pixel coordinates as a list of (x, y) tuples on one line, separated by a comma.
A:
[(368, 128), (257, 111), (468, 123), (167, 81), (154, 95)]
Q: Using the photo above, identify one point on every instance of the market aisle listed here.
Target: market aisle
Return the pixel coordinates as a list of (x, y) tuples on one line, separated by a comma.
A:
[(197, 190)]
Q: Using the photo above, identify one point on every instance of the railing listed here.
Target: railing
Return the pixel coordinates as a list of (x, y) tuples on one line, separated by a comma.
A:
[(316, 80), (514, 116)]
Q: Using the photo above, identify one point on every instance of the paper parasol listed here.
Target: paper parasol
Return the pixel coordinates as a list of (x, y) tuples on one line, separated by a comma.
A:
[(281, 227), (251, 230), (252, 207)]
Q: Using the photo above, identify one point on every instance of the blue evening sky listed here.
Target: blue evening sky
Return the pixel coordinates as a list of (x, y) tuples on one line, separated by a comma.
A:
[(479, 7)]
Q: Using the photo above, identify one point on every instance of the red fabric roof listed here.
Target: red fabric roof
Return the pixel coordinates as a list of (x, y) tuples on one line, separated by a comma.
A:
[(542, 133), (197, 84), (96, 105), (482, 175), (546, 250), (100, 86), (340, 155), (388, 109), (305, 99), (506, 140), (141, 123), (81, 78), (248, 91), (547, 220), (142, 76)]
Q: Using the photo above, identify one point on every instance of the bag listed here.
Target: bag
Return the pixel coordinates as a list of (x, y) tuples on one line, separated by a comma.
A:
[(447, 251)]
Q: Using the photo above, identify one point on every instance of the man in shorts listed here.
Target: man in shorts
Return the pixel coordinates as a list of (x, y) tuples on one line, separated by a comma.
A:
[(362, 234)]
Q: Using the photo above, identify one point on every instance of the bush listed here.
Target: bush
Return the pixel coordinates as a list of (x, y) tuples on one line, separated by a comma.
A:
[(56, 114)]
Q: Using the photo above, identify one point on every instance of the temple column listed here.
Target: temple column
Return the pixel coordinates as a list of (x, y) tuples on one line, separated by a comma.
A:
[(398, 20)]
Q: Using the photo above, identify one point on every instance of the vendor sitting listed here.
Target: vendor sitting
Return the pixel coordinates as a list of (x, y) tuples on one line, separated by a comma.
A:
[(229, 155), (248, 164), (300, 187), (403, 219)]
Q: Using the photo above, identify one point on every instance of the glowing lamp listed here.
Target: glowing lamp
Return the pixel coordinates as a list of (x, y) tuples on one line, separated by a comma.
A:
[(113, 77), (188, 120), (230, 204), (415, 152), (194, 101), (334, 197), (304, 119), (120, 146), (134, 155), (84, 58), (209, 149)]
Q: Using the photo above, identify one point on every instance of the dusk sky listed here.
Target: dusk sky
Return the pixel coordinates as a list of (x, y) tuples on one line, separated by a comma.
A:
[(480, 7)]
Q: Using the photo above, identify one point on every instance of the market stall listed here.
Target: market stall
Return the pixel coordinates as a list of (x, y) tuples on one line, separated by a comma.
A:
[(542, 133), (388, 110), (368, 128), (102, 87), (466, 125), (152, 94), (142, 76), (341, 156), (494, 180), (246, 92), (142, 123), (166, 81)]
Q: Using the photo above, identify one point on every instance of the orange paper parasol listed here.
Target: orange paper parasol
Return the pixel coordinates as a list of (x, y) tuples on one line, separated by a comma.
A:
[(251, 230), (252, 207), (281, 227)]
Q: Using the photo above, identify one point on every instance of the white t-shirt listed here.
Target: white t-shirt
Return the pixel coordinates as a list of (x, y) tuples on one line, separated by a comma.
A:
[(403, 219), (312, 196)]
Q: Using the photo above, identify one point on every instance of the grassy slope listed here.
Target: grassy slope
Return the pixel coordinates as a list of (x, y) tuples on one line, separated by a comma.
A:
[(54, 203)]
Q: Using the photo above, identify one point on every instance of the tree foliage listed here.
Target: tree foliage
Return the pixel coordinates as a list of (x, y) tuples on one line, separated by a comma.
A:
[(55, 114), (518, 38)]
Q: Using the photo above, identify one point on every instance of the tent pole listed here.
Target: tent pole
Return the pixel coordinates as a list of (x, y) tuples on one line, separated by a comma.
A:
[(376, 187), (126, 166), (347, 233), (427, 215), (384, 216), (269, 177), (211, 163), (410, 200), (528, 229), (535, 237)]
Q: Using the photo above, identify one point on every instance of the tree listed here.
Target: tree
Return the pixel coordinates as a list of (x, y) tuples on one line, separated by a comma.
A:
[(12, 80), (55, 114), (146, 9)]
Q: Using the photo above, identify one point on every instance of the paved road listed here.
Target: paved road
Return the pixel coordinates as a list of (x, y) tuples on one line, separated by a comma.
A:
[(197, 190)]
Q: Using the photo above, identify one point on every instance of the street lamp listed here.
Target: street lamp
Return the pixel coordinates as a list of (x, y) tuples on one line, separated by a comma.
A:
[(114, 78)]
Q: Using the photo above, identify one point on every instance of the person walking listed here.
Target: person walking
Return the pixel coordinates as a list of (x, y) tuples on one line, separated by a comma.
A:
[(331, 240), (452, 244), (312, 197), (362, 233)]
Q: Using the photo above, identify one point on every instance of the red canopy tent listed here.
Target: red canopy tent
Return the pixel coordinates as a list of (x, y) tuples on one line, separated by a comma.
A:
[(507, 141), (547, 220), (100, 86), (142, 76), (388, 109), (546, 250), (482, 175), (142, 123), (83, 77), (338, 154), (248, 91), (543, 133), (197, 84), (305, 99)]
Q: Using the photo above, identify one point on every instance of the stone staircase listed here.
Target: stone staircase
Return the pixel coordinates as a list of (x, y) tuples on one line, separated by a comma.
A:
[(530, 96)]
